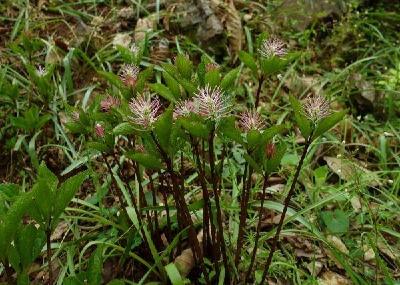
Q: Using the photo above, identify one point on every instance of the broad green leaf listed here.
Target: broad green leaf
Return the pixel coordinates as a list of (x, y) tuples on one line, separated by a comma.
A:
[(162, 128), (66, 192), (195, 127), (249, 61), (163, 91), (187, 85), (269, 133), (272, 65), (172, 84), (50, 178), (272, 163), (102, 147), (12, 219), (336, 221), (184, 65), (254, 138), (111, 78), (145, 159), (252, 162), (95, 267), (228, 129), (213, 78), (174, 275), (143, 77), (327, 123), (228, 82), (124, 128), (301, 120)]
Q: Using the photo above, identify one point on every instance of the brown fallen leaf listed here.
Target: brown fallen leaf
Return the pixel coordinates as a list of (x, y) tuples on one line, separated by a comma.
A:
[(185, 261), (350, 170), (338, 243), (332, 278)]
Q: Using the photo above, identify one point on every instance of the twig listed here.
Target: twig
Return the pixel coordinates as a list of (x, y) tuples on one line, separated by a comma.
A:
[(286, 205)]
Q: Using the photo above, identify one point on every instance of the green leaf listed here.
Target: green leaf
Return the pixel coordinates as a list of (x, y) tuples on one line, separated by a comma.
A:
[(184, 65), (124, 128), (228, 129), (102, 147), (254, 138), (111, 78), (46, 174), (301, 120), (195, 127), (228, 82), (66, 192), (172, 84), (29, 244), (270, 165), (142, 78), (95, 267), (336, 221), (213, 78), (43, 199), (187, 85), (174, 275), (252, 162), (162, 129), (269, 133), (249, 61), (272, 65), (327, 123), (163, 91), (145, 159), (11, 221)]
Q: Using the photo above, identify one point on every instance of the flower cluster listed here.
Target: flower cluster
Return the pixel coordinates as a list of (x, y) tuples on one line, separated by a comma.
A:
[(129, 74), (211, 103), (316, 107), (251, 120), (109, 102), (272, 47), (144, 111), (99, 130), (184, 108)]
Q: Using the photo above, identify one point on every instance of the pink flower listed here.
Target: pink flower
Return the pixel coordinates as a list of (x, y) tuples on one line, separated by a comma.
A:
[(211, 103), (272, 47), (144, 111), (109, 102), (129, 74), (316, 107), (184, 108), (251, 120), (99, 130)]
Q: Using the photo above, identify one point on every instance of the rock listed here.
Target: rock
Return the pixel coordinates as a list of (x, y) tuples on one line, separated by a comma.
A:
[(305, 12), (122, 39)]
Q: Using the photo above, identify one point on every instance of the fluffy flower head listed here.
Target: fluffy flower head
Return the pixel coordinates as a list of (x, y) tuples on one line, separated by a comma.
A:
[(316, 107), (211, 103), (144, 111), (129, 74), (251, 120), (99, 130), (107, 103), (184, 108), (272, 47)]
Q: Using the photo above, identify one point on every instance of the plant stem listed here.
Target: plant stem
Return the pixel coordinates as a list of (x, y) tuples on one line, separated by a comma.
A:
[(258, 92), (220, 233), (182, 206), (243, 215), (260, 212), (48, 243), (207, 214), (286, 205)]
